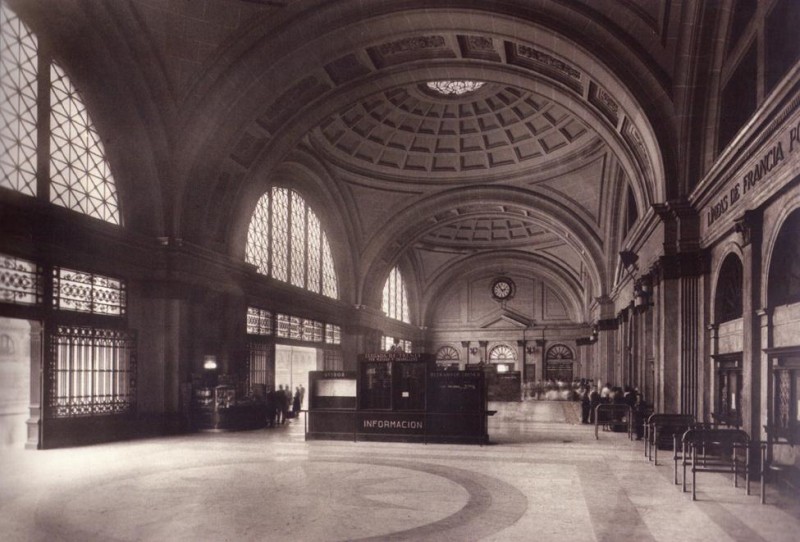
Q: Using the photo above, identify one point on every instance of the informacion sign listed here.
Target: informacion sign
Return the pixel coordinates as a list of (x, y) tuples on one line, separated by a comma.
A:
[(392, 423)]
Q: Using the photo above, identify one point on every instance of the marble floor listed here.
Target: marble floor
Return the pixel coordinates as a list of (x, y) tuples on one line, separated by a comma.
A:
[(544, 477)]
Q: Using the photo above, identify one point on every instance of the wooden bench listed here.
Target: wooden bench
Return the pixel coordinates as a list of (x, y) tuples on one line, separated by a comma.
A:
[(613, 416), (715, 450)]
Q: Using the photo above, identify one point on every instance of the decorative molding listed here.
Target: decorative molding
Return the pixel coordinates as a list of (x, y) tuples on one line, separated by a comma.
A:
[(346, 69), (410, 49), (479, 47), (603, 101), (528, 57)]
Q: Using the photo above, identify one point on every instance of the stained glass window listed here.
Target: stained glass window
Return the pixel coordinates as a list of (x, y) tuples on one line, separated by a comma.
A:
[(395, 298), (454, 88), (18, 76), (79, 175), (285, 240)]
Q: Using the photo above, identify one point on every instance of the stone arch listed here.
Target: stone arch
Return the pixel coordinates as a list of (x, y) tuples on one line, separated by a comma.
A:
[(728, 290), (783, 271)]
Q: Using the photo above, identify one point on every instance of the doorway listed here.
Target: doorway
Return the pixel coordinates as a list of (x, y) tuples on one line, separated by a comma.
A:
[(19, 399), (292, 364)]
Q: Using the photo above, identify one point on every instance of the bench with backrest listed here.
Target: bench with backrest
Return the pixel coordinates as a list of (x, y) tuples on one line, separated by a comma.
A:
[(715, 450), (660, 432), (613, 416)]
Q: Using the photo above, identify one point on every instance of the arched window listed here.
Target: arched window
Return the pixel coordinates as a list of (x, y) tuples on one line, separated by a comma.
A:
[(285, 241), (502, 353), (784, 268), (728, 296), (78, 175), (558, 363), (395, 297), (447, 353)]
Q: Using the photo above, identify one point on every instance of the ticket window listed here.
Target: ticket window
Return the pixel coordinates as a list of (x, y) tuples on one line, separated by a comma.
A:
[(728, 398)]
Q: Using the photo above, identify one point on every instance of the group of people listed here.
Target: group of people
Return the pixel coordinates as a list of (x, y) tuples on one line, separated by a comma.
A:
[(554, 390), (592, 396), (282, 404)]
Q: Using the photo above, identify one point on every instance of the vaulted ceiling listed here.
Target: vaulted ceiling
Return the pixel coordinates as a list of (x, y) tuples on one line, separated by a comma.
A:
[(330, 97)]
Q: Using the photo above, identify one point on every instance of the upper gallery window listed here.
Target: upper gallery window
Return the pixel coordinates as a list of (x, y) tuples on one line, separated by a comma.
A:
[(77, 176), (395, 298), (454, 88), (285, 241)]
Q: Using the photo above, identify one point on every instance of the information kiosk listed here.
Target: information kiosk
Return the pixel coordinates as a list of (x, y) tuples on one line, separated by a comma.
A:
[(398, 397)]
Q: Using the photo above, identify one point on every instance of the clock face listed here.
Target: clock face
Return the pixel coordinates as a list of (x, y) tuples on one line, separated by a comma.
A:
[(502, 288)]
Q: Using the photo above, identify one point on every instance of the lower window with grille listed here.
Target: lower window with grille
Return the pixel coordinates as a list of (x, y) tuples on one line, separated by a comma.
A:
[(92, 372)]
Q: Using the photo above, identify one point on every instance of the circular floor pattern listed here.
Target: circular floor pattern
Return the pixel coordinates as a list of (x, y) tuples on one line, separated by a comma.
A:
[(317, 499)]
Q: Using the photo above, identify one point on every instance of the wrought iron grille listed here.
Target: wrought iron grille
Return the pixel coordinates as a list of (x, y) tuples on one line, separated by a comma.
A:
[(259, 321), (20, 281), (447, 353), (784, 399), (88, 292), (312, 331), (260, 366), (333, 334), (332, 360), (91, 372), (502, 353)]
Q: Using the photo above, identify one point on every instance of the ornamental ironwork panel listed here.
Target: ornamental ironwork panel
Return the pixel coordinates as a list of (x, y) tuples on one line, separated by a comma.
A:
[(259, 321), (257, 250), (280, 234), (18, 104), (298, 243), (91, 371), (559, 351), (332, 360), (447, 353), (784, 399), (80, 178), (20, 281), (502, 353), (260, 366), (88, 292), (333, 334), (314, 253)]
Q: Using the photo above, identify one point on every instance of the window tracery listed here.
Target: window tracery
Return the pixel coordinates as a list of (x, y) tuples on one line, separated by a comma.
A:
[(285, 241), (454, 88), (78, 176), (395, 297)]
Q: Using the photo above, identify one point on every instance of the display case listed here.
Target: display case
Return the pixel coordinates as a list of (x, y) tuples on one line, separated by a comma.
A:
[(221, 408)]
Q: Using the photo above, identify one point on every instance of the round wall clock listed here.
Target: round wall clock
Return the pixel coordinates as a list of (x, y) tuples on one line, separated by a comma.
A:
[(503, 289)]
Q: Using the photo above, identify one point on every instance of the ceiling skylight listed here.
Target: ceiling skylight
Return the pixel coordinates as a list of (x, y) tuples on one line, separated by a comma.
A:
[(454, 88)]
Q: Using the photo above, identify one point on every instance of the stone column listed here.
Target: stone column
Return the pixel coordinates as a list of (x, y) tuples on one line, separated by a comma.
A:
[(749, 227)]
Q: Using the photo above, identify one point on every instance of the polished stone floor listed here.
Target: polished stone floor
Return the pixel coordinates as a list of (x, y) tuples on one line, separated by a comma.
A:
[(544, 477)]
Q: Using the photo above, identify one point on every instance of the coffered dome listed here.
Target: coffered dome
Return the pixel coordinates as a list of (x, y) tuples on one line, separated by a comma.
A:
[(413, 130)]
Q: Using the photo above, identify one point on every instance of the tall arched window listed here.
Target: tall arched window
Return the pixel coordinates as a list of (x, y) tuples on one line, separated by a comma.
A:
[(395, 297), (285, 241), (77, 176), (728, 298)]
